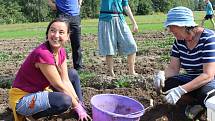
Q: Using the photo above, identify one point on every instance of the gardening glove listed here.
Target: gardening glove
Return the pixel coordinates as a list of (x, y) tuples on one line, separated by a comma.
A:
[(82, 114), (158, 81), (174, 94)]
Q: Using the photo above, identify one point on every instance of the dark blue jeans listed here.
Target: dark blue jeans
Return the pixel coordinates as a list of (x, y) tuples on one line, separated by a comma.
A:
[(59, 101), (75, 38)]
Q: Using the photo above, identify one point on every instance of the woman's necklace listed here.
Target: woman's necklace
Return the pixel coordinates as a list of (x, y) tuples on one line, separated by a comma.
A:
[(56, 62), (55, 58)]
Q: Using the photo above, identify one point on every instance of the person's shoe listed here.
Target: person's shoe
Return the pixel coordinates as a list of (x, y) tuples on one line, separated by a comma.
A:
[(192, 111)]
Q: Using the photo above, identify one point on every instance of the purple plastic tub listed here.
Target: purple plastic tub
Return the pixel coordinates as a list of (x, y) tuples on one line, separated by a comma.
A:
[(113, 107)]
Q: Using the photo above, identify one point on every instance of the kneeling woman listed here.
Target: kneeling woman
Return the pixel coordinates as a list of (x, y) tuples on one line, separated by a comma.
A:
[(46, 66)]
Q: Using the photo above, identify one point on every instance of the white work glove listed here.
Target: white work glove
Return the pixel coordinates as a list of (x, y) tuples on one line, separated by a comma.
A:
[(158, 81), (174, 94)]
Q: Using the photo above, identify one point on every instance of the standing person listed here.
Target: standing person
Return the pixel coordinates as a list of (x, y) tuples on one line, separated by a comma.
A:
[(70, 9), (194, 51), (46, 66), (114, 35), (209, 13)]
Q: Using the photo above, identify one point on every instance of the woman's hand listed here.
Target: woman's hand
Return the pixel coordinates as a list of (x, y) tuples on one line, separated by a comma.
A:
[(159, 81), (82, 114), (174, 94), (135, 28)]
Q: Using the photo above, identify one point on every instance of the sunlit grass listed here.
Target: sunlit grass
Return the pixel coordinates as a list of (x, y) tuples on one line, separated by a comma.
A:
[(145, 23)]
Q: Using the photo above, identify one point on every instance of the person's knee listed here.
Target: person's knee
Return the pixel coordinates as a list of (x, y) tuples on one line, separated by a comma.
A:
[(60, 101), (66, 102)]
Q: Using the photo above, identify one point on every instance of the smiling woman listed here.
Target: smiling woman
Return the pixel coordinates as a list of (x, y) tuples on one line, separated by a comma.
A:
[(57, 35), (46, 67)]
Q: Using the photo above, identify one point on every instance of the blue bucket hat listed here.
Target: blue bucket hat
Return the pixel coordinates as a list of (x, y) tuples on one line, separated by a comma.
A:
[(180, 16)]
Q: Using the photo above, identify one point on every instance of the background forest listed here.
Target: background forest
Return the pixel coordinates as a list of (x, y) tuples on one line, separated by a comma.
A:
[(27, 11)]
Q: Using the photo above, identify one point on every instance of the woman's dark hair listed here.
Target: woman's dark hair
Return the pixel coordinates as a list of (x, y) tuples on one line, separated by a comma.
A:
[(58, 20)]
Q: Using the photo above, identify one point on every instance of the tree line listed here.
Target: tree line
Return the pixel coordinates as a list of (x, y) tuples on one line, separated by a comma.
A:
[(23, 11)]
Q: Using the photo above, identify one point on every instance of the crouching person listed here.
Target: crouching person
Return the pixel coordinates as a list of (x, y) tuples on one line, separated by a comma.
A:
[(46, 66), (193, 51)]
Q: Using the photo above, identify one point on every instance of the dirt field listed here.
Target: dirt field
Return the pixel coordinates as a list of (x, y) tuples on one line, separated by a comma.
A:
[(140, 87)]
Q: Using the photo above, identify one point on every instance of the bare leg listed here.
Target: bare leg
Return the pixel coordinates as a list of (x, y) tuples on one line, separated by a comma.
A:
[(203, 21), (131, 63), (109, 60), (212, 21)]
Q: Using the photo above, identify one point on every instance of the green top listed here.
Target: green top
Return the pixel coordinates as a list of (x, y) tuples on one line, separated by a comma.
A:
[(110, 8), (209, 9)]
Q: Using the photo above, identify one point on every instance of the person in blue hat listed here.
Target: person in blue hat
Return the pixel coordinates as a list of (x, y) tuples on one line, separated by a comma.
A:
[(191, 70), (209, 13)]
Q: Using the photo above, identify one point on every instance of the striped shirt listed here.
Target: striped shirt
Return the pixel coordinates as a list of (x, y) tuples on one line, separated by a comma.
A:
[(192, 60)]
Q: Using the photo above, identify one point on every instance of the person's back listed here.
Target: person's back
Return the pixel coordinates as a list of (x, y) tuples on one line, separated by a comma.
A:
[(69, 7)]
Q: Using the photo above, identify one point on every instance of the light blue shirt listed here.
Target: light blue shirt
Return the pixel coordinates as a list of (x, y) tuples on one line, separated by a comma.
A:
[(192, 60), (209, 9), (69, 7), (112, 6)]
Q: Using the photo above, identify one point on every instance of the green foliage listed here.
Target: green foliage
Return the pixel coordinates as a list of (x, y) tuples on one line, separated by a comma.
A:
[(10, 12), (201, 5), (187, 3), (165, 57), (86, 76), (133, 5), (4, 56), (5, 83), (122, 82), (144, 7), (7, 56), (90, 8), (162, 5), (35, 10)]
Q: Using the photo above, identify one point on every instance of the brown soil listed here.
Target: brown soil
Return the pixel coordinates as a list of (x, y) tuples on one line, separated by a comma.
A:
[(140, 87)]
